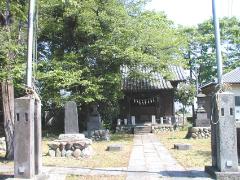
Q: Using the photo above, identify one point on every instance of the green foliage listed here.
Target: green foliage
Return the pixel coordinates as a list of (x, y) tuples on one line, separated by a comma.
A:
[(185, 94), (12, 50), (83, 44), (202, 47)]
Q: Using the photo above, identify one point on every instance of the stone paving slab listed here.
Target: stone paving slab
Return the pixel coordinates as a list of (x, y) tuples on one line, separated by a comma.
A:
[(151, 160)]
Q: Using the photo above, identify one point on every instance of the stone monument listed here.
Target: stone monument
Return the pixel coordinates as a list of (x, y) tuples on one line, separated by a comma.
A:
[(94, 119), (71, 118)]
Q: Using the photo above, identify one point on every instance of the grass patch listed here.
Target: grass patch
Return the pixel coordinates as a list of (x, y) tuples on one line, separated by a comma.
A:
[(198, 156), (3, 161), (101, 157), (103, 177)]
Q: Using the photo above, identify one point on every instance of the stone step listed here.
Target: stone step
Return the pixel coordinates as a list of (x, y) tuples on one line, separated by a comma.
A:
[(142, 129)]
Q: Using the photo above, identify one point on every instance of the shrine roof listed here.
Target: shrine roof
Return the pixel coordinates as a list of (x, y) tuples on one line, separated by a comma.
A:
[(151, 80)]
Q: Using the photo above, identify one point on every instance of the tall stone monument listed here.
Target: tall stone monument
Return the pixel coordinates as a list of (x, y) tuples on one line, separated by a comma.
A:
[(71, 118), (94, 119)]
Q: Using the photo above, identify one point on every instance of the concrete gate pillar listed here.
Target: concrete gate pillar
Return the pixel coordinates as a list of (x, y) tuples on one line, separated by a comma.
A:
[(224, 138), (27, 137)]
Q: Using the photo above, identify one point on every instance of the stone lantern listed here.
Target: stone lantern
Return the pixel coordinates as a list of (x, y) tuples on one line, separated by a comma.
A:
[(200, 102), (201, 114)]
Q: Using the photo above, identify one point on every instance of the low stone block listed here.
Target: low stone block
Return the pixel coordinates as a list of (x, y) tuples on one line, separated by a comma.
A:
[(182, 146), (115, 147)]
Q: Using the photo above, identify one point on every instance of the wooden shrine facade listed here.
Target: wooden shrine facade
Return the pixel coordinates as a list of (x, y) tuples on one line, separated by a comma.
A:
[(149, 97)]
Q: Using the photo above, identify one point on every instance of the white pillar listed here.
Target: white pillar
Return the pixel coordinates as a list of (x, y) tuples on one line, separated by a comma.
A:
[(133, 120), (119, 122), (161, 119), (153, 119), (125, 121)]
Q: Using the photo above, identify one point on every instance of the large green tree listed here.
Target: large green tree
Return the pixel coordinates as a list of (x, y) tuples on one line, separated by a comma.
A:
[(201, 43), (83, 44), (12, 19)]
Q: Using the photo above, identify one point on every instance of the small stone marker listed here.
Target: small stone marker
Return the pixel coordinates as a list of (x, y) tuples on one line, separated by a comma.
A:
[(71, 118), (182, 146), (115, 147)]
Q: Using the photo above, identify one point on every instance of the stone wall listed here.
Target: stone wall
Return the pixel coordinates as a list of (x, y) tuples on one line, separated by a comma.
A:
[(125, 129), (163, 128), (70, 147), (199, 132)]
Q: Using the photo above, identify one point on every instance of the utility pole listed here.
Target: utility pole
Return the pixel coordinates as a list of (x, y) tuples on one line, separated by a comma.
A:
[(217, 41), (30, 42)]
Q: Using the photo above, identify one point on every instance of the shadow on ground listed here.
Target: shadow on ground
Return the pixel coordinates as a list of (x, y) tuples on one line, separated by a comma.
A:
[(5, 176), (187, 174)]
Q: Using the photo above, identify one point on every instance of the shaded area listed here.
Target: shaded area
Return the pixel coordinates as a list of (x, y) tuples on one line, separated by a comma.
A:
[(5, 176)]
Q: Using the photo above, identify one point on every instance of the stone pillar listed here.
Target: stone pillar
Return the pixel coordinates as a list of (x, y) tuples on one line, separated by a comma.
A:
[(224, 140), (133, 120), (153, 119), (119, 122), (38, 137), (227, 158), (24, 138), (125, 121), (161, 120)]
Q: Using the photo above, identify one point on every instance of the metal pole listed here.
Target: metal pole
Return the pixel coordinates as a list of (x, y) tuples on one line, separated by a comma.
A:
[(217, 41), (30, 42)]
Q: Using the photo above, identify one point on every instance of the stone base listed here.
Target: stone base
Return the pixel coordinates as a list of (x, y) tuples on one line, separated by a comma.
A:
[(212, 171), (199, 132), (182, 146), (73, 137)]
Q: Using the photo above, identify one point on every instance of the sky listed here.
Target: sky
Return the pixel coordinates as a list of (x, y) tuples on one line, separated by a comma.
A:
[(193, 12)]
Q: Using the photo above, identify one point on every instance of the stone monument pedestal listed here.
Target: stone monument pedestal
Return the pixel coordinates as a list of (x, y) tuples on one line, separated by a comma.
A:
[(201, 118)]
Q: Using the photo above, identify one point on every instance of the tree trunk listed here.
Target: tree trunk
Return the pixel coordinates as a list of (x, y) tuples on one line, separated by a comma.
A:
[(8, 116), (183, 115)]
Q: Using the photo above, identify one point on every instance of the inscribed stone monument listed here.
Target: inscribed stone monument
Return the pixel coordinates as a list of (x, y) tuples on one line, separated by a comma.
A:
[(71, 118), (94, 121)]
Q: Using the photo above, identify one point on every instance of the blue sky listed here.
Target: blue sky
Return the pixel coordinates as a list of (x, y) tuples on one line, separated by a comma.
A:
[(193, 12)]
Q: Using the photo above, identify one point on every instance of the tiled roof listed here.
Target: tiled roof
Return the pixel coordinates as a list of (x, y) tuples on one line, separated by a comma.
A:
[(154, 82), (178, 73), (232, 76)]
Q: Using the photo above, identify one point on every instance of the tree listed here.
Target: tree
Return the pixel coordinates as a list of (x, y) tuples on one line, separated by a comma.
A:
[(83, 44), (201, 47), (10, 62), (185, 95)]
